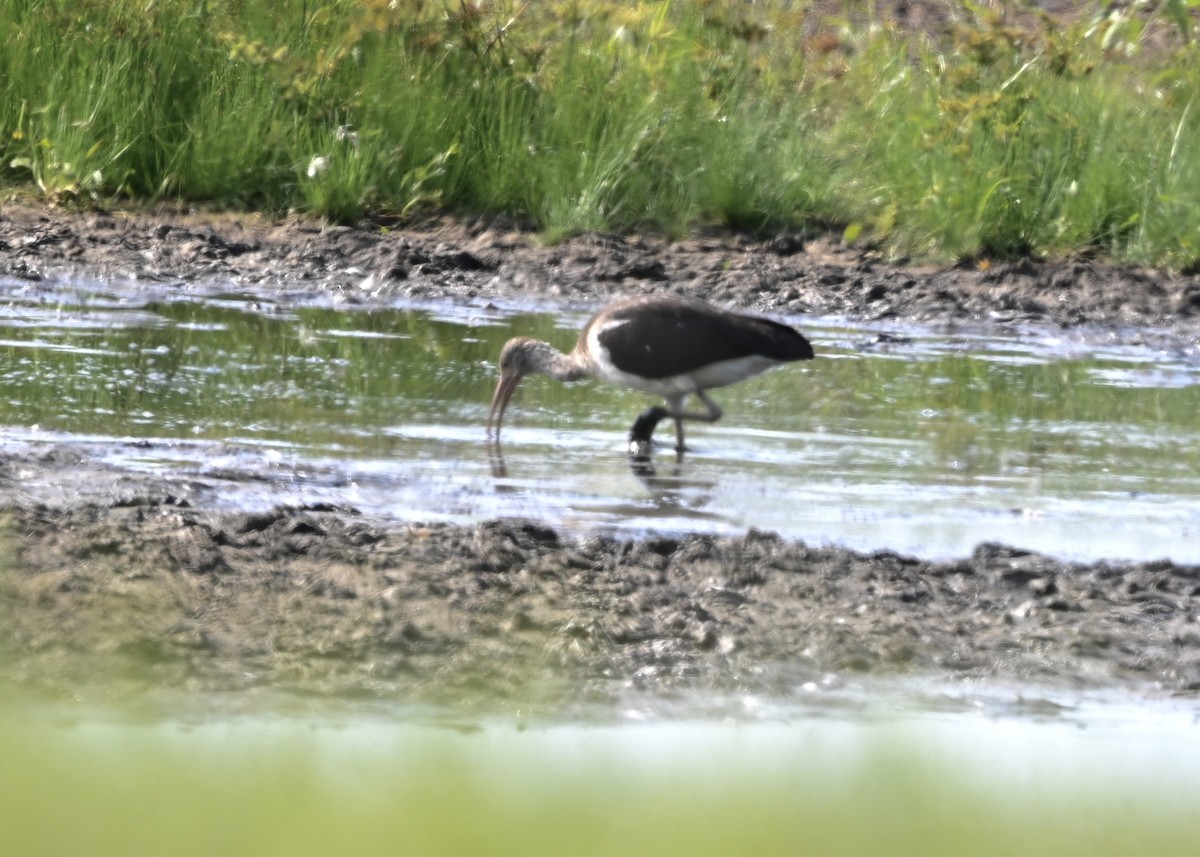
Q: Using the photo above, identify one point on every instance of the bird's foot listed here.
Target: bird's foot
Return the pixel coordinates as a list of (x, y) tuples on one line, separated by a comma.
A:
[(640, 448)]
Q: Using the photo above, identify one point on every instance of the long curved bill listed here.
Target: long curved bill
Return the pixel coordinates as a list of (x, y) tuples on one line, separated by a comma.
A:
[(504, 390)]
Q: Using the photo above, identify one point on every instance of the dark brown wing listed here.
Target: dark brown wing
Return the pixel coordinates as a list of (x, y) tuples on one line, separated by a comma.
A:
[(666, 336)]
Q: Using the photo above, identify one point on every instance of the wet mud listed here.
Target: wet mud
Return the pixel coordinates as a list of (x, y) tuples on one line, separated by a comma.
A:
[(109, 600), (118, 589), (455, 260)]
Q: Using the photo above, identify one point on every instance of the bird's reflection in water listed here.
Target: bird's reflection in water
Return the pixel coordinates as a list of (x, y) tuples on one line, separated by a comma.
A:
[(668, 485), (673, 493), (496, 463), (643, 467)]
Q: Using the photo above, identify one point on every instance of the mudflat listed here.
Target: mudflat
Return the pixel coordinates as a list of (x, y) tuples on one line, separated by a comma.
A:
[(142, 589)]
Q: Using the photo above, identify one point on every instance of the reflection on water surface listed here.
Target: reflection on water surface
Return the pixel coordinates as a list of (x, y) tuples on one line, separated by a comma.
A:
[(920, 440)]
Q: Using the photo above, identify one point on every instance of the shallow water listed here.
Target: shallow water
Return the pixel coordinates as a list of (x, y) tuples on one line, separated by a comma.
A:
[(922, 440)]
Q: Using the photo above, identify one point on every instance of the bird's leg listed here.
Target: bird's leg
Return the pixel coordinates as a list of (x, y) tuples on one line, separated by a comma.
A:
[(643, 430), (711, 415)]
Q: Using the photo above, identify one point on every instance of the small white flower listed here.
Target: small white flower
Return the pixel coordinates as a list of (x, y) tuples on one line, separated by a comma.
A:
[(317, 165), (347, 134)]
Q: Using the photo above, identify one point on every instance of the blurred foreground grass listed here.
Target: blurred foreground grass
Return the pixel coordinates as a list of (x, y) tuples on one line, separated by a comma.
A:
[(295, 791)]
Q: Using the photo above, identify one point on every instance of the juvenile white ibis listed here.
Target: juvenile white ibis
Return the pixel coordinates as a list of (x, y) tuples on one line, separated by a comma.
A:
[(664, 345)]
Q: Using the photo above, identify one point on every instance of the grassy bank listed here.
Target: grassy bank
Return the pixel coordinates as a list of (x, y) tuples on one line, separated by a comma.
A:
[(995, 136), (294, 792)]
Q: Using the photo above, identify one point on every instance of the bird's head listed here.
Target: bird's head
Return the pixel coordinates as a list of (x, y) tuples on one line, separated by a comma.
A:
[(520, 357)]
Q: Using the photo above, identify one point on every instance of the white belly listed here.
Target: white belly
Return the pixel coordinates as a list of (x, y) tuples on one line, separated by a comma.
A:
[(706, 378)]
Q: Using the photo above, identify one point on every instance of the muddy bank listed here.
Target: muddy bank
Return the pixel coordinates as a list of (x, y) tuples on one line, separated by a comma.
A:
[(447, 259), (110, 600), (135, 584)]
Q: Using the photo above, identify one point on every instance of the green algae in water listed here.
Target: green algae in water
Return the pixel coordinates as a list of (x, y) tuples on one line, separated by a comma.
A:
[(922, 441)]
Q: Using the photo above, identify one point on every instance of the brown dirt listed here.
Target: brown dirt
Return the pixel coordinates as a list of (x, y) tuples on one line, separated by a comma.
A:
[(453, 260), (111, 598)]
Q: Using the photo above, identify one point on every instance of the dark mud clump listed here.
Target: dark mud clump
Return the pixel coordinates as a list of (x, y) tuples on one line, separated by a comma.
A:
[(108, 601)]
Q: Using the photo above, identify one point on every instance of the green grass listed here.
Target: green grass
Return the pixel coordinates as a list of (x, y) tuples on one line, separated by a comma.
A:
[(290, 792), (987, 140)]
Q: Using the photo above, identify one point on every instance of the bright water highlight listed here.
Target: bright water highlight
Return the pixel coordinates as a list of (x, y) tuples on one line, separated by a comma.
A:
[(1081, 444)]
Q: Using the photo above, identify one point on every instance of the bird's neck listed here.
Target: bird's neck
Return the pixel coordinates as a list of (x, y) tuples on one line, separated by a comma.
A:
[(569, 367), (560, 366)]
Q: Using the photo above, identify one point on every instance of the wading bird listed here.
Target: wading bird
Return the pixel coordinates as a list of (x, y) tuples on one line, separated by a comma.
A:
[(664, 345)]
